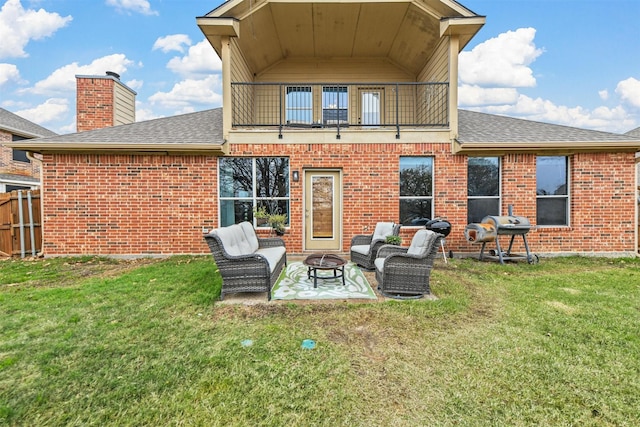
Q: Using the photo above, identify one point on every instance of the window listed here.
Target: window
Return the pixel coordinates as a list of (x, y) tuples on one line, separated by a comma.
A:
[(552, 190), (248, 184), (298, 105), (334, 105), (416, 189), (19, 155), (483, 188)]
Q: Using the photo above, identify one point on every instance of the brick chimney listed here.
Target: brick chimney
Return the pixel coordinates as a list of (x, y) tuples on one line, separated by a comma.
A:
[(103, 101)]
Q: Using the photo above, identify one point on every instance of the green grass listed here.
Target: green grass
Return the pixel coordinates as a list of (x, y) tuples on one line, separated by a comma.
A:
[(95, 341)]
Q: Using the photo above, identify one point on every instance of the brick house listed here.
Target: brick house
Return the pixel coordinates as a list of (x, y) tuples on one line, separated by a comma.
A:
[(17, 170), (338, 115)]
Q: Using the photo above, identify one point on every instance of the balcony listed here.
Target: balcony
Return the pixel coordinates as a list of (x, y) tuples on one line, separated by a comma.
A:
[(366, 106)]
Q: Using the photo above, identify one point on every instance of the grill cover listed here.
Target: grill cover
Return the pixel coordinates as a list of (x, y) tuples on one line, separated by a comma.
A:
[(484, 232), (508, 224)]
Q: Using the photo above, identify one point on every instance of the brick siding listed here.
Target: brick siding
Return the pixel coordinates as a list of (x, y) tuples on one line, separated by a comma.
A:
[(94, 103), (143, 204)]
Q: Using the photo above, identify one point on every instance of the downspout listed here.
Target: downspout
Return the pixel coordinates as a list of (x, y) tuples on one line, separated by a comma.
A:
[(454, 44), (226, 87), (34, 159)]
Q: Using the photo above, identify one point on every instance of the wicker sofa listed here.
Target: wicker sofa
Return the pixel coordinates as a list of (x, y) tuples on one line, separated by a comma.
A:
[(247, 263), (403, 272), (364, 247)]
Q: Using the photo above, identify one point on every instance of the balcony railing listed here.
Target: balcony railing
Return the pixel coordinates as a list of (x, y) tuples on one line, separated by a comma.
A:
[(340, 105)]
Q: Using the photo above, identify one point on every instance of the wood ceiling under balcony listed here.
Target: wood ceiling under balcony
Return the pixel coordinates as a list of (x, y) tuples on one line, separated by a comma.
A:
[(405, 32)]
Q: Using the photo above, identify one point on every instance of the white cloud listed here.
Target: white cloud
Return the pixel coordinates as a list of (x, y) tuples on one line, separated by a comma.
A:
[(502, 61), (137, 6), (606, 119), (188, 92), (173, 42), (200, 60), (492, 72), (18, 26), (477, 96), (63, 80), (9, 72), (51, 111), (603, 94), (135, 84), (629, 91)]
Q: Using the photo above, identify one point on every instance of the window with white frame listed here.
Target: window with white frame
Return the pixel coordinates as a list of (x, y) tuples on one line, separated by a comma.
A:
[(248, 184), (483, 188), (335, 102), (552, 190), (416, 189), (298, 105)]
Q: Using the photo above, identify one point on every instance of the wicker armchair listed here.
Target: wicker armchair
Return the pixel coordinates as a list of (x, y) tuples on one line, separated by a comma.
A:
[(403, 272), (364, 247), (246, 262)]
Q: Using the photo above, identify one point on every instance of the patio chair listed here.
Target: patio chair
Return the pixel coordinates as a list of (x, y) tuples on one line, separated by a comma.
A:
[(364, 247), (403, 272)]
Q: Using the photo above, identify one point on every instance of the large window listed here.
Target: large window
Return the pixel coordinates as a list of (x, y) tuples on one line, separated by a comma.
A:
[(248, 184), (334, 105), (298, 105), (483, 188), (416, 189), (552, 189)]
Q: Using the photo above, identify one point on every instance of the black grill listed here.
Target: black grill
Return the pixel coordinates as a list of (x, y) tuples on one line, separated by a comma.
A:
[(490, 230)]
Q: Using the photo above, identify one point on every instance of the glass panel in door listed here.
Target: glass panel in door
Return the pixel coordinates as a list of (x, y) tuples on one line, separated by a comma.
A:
[(370, 107), (322, 210)]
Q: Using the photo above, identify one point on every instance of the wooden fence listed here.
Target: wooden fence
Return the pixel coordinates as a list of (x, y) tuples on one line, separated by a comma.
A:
[(20, 227)]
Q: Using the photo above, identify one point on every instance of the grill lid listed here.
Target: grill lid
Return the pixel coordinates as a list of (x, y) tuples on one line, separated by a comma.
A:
[(439, 226), (508, 223)]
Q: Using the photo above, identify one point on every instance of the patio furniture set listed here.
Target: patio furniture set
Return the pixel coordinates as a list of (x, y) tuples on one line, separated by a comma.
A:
[(249, 263)]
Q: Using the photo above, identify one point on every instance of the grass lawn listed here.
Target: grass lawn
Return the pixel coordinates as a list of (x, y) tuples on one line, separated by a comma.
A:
[(94, 341)]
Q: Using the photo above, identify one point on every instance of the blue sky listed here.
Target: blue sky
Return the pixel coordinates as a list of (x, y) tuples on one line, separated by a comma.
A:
[(571, 62)]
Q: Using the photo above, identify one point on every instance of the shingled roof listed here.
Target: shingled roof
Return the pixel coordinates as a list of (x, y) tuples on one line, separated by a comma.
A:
[(16, 125), (487, 132), (193, 132), (202, 132)]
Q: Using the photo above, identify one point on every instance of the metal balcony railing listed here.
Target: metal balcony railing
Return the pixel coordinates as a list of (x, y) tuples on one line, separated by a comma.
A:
[(340, 105)]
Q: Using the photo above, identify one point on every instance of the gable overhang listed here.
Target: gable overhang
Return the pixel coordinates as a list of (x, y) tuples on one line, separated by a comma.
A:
[(559, 148), (404, 32), (464, 28), (121, 148)]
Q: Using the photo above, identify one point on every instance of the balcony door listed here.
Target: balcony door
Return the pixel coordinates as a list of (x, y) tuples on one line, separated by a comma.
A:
[(322, 210), (371, 106)]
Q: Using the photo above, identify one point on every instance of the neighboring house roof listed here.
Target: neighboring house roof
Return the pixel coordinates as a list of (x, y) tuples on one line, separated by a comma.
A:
[(199, 132), (16, 125), (489, 132)]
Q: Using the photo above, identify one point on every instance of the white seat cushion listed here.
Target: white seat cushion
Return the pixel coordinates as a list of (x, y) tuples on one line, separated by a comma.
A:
[(273, 255), (250, 235), (361, 249), (383, 229), (421, 242)]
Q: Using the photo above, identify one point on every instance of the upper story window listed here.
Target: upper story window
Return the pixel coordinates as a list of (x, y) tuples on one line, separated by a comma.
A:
[(248, 184), (483, 188), (416, 189), (299, 105), (19, 155), (335, 102), (552, 190)]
